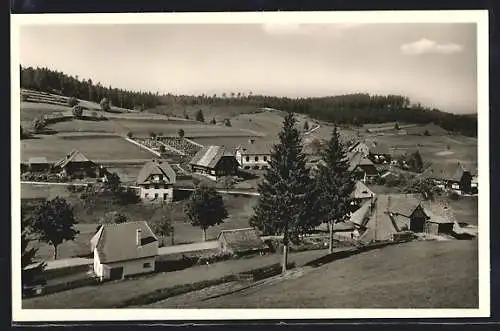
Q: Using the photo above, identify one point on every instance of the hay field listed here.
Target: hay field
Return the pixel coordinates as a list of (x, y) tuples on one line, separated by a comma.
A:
[(98, 147)]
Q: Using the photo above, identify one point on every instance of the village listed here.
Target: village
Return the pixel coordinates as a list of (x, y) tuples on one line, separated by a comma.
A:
[(121, 248)]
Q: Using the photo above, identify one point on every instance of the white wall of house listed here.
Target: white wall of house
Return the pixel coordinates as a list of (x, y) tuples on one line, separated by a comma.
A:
[(157, 193), (98, 270), (252, 160), (130, 267)]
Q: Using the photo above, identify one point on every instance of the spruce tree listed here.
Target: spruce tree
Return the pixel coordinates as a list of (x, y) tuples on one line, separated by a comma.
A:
[(334, 183), (284, 205)]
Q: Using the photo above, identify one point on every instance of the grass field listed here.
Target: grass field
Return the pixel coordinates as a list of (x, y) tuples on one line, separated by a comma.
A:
[(94, 147), (440, 274), (114, 293)]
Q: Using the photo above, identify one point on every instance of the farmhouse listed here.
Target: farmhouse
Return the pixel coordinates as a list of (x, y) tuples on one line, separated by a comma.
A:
[(253, 155), (240, 241), (379, 153), (385, 217), (76, 164), (156, 181), (39, 164), (433, 218), (451, 176), (362, 167), (124, 249), (214, 162)]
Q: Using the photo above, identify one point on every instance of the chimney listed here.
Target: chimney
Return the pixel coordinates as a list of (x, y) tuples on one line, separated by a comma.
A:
[(138, 237)]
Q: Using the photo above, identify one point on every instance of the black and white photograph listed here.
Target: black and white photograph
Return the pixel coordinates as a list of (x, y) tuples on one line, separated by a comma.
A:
[(250, 165)]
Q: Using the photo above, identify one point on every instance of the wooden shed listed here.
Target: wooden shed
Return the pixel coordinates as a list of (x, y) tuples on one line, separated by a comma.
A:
[(240, 241)]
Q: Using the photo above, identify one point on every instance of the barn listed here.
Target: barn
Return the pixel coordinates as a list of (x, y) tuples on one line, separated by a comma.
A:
[(39, 164), (76, 164), (362, 167), (214, 162)]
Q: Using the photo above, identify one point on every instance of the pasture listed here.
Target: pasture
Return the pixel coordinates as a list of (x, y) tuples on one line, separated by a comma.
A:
[(439, 274), (95, 147)]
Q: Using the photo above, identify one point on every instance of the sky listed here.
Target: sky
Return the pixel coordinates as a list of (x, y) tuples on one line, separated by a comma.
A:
[(434, 64)]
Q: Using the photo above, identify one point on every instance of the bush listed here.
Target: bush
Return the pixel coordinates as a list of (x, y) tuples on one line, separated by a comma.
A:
[(227, 122), (454, 195), (130, 135), (427, 133), (72, 102)]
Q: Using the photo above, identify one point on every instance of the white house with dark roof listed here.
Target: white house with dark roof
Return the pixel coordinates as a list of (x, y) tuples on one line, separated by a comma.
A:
[(214, 162), (123, 249), (254, 155), (156, 181)]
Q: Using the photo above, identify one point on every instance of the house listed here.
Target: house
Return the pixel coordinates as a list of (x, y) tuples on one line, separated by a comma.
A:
[(362, 167), (384, 217), (379, 153), (432, 218), (156, 182), (214, 162), (38, 164), (474, 185), (76, 164), (450, 176), (124, 249), (240, 241), (345, 230), (253, 155)]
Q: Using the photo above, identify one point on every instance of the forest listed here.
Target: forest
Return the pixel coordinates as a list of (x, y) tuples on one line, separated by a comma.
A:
[(354, 109)]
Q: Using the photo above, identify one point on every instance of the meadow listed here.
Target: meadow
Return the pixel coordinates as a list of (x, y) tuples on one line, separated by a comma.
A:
[(438, 274)]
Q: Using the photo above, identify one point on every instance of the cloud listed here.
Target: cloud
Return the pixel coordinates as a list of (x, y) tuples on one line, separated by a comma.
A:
[(426, 46)]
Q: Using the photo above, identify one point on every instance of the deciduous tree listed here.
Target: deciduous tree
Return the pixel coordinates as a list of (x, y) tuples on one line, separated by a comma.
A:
[(205, 208), (54, 222)]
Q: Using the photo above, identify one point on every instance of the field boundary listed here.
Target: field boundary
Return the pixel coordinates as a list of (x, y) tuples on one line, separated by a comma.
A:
[(142, 146)]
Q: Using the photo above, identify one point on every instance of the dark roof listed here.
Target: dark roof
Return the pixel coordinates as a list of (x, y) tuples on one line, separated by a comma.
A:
[(445, 171), (117, 242), (156, 167), (74, 156), (380, 149), (256, 148), (209, 156), (241, 240), (358, 143), (357, 159)]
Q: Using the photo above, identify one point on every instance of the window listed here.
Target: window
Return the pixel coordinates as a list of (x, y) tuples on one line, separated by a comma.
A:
[(146, 195), (146, 187), (165, 196), (146, 265), (157, 187), (256, 158), (265, 158), (247, 158), (247, 167), (156, 195)]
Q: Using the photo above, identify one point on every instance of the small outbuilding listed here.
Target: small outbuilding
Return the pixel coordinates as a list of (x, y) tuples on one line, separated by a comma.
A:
[(39, 164), (240, 241)]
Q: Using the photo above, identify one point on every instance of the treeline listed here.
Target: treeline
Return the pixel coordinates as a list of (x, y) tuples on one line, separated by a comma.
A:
[(46, 80), (354, 109)]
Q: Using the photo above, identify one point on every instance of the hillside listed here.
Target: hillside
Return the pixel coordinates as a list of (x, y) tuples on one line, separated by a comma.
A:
[(355, 109)]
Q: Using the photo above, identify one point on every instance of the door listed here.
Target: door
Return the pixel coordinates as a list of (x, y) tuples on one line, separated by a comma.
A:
[(116, 273)]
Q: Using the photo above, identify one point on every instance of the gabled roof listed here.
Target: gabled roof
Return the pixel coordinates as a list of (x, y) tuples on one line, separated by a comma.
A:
[(242, 240), (209, 156), (117, 242), (156, 167), (74, 156), (438, 212), (445, 171), (256, 148), (38, 160), (356, 144), (361, 191), (357, 159), (360, 216)]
